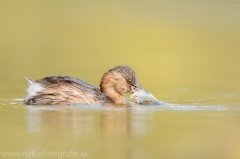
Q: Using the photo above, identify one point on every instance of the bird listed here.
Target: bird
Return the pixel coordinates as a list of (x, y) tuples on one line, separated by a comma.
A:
[(65, 90)]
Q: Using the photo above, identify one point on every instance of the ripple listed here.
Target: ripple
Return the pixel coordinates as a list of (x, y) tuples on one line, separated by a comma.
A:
[(195, 106)]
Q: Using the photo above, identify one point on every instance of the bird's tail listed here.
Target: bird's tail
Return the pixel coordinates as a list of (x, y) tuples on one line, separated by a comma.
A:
[(29, 80)]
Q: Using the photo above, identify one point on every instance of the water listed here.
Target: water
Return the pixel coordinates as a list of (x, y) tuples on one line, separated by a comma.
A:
[(168, 131), (186, 53)]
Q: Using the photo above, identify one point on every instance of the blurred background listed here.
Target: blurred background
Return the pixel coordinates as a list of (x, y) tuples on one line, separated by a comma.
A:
[(170, 44), (185, 52)]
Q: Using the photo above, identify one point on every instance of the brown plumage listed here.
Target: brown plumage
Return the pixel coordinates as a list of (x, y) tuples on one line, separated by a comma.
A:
[(67, 90)]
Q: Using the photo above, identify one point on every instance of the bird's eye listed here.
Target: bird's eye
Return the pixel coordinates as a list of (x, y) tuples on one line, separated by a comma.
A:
[(130, 82)]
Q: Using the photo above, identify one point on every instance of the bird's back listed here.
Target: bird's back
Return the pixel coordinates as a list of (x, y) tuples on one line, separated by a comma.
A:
[(63, 90)]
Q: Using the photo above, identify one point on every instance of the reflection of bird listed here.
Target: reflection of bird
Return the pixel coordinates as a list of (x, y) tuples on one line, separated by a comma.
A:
[(66, 90)]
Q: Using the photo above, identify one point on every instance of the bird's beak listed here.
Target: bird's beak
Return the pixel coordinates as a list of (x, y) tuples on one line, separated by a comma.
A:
[(135, 89)]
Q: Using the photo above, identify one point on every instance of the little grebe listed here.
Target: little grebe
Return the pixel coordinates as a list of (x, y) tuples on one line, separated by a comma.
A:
[(67, 90)]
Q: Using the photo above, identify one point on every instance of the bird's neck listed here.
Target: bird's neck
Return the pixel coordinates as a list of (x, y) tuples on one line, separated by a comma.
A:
[(108, 87)]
